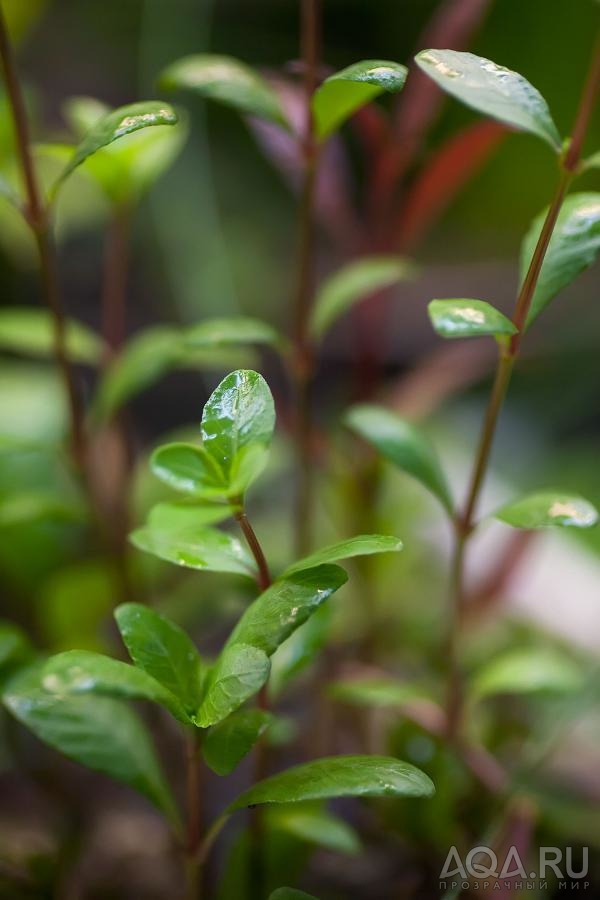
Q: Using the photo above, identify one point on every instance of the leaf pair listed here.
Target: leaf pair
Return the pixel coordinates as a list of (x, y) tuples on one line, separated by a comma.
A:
[(231, 82)]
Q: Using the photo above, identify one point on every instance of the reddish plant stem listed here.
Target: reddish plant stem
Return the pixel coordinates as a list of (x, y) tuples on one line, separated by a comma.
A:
[(37, 217), (114, 291), (303, 363), (465, 522), (194, 818)]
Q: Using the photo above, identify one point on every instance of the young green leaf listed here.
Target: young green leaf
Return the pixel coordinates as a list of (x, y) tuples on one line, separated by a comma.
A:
[(353, 283), (236, 330), (116, 124), (201, 547), (283, 607), (14, 644), (225, 80), (84, 672), (286, 893), (189, 468), (339, 776), (163, 650), (179, 517), (312, 823), (468, 318), (238, 674), (573, 247), (527, 671), (361, 545), (227, 743), (104, 735), (548, 509), (492, 90), (343, 93), (30, 331), (402, 444), (237, 427)]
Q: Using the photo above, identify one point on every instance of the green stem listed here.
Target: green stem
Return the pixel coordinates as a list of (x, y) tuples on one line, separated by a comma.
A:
[(37, 217), (465, 522), (303, 363)]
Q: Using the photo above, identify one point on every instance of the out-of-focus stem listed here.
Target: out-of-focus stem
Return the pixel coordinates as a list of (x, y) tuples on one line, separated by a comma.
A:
[(114, 289), (193, 868)]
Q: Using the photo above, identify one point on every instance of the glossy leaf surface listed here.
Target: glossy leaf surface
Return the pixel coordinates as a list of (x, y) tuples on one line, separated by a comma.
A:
[(30, 331), (468, 318), (492, 90), (549, 509), (573, 247), (190, 469), (163, 650), (225, 80), (196, 547), (402, 444), (239, 673), (361, 545), (104, 735), (339, 776), (353, 283), (227, 743), (286, 605), (343, 93)]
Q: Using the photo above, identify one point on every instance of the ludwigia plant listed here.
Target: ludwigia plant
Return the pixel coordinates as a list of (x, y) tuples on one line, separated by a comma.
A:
[(228, 701)]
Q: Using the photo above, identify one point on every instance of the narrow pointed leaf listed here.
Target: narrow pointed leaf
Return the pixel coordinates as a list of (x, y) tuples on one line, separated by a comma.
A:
[(468, 318), (84, 672), (343, 93), (339, 776), (227, 743), (402, 444), (353, 283), (549, 509), (312, 823), (104, 735), (361, 545), (30, 331), (163, 650), (190, 469), (237, 427), (573, 248), (492, 90), (116, 124), (225, 80), (375, 691), (239, 673), (527, 671), (283, 607), (203, 548), (236, 330), (14, 644)]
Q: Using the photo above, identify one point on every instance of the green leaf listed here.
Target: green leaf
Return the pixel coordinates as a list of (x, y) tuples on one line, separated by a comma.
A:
[(573, 247), (339, 776), (181, 516), (235, 330), (343, 93), (375, 691), (145, 359), (238, 674), (353, 283), (547, 509), (468, 318), (84, 672), (203, 548), (237, 427), (189, 468), (163, 650), (314, 824), (30, 331), (118, 123), (299, 650), (104, 735), (227, 743), (225, 80), (492, 90), (402, 444), (361, 545), (526, 671), (286, 605), (286, 893), (14, 644)]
